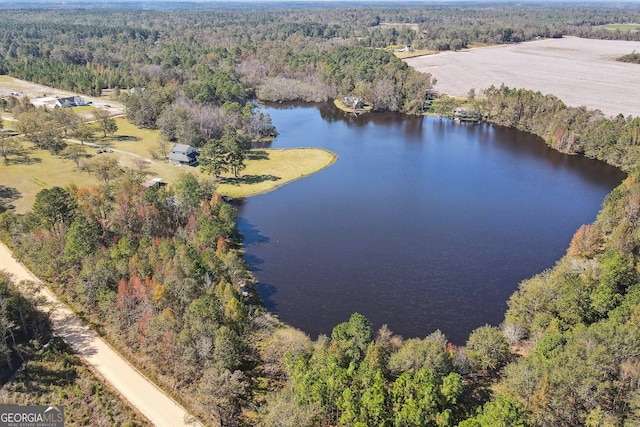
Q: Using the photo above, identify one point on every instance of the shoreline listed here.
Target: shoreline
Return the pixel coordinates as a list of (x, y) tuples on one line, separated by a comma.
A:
[(242, 191)]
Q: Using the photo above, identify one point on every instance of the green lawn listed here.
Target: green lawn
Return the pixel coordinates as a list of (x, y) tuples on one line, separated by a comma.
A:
[(131, 138), (267, 169), (85, 111), (42, 171), (261, 175), (414, 52)]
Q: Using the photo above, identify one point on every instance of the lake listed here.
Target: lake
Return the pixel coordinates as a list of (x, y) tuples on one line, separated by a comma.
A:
[(421, 224)]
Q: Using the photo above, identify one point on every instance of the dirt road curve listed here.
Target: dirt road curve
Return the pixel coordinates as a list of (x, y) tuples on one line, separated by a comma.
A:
[(154, 404), (578, 71)]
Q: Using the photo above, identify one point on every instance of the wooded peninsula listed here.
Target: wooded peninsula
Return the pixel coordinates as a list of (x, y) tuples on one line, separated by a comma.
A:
[(159, 270)]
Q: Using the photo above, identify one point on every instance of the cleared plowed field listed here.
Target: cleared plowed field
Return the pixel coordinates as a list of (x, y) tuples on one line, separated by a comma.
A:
[(578, 71)]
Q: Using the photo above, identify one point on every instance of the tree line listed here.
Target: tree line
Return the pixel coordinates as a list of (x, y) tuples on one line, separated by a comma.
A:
[(573, 130), (160, 271), (278, 53)]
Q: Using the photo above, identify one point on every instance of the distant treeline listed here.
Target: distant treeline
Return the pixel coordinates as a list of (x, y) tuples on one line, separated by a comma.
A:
[(275, 53), (211, 57)]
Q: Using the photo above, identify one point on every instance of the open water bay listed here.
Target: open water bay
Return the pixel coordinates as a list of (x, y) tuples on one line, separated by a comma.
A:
[(421, 224)]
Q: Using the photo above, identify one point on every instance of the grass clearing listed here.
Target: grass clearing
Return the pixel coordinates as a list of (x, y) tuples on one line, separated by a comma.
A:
[(268, 169), (7, 124), (84, 109), (341, 105), (621, 27), (131, 138), (43, 170), (414, 52), (45, 95)]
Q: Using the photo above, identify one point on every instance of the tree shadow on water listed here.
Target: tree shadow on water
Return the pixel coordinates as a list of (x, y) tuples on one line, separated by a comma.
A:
[(250, 234), (266, 292)]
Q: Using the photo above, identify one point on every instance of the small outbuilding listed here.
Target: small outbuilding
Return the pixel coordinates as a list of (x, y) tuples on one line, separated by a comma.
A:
[(183, 154), (154, 182), (71, 101)]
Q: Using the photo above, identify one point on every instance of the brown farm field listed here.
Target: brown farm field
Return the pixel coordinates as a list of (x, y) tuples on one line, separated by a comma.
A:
[(578, 71)]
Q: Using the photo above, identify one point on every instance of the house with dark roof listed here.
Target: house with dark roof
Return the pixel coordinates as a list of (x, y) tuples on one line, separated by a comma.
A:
[(183, 154), (71, 101), (154, 182)]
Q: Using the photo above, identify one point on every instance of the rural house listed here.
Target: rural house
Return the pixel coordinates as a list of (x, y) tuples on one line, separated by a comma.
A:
[(182, 154), (136, 90), (154, 182), (71, 101)]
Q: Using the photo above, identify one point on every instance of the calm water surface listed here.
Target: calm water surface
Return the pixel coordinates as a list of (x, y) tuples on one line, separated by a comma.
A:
[(421, 224)]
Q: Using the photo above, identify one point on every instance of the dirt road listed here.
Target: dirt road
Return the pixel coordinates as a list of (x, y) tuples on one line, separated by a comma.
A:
[(578, 71), (139, 391)]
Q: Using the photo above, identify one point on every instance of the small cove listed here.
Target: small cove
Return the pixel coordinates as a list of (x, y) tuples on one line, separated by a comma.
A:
[(421, 224)]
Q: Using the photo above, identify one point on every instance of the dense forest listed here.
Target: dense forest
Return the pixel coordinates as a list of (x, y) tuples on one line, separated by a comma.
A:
[(160, 271), (278, 54)]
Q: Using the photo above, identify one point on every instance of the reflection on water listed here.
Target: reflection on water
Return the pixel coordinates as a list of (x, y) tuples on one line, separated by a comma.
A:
[(421, 224)]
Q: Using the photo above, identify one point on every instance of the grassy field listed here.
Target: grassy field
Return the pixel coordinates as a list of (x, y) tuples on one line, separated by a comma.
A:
[(132, 146), (45, 95), (85, 111), (267, 169), (621, 27), (42, 170), (132, 139), (271, 168), (414, 52)]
